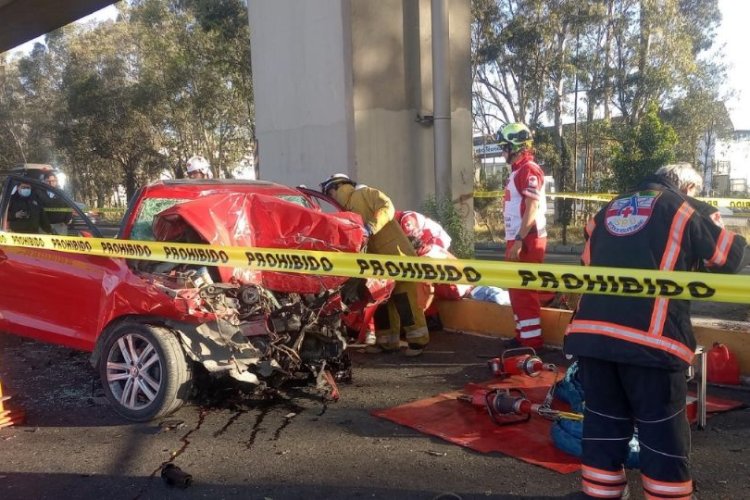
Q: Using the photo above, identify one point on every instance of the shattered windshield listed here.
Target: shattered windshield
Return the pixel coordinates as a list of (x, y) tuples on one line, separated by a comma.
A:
[(142, 228)]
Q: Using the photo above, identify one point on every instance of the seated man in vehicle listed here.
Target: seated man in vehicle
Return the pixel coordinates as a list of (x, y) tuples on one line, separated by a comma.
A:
[(25, 213)]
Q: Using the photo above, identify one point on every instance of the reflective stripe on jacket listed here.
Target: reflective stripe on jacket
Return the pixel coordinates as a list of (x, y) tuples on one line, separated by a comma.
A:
[(655, 227)]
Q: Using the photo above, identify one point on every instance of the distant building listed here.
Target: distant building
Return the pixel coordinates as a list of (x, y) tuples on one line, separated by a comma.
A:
[(487, 157), (731, 165)]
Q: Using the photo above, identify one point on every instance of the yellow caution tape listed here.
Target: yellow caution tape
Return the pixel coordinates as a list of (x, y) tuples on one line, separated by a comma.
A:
[(488, 194), (740, 204), (549, 277), (603, 197), (577, 196), (736, 204), (731, 203)]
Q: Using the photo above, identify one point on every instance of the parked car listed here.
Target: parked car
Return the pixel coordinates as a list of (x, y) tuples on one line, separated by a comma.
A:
[(151, 325)]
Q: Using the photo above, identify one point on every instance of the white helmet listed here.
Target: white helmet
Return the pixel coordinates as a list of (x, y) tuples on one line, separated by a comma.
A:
[(199, 164), (335, 180)]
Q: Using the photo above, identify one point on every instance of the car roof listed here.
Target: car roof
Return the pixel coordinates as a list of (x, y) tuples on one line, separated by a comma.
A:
[(192, 188)]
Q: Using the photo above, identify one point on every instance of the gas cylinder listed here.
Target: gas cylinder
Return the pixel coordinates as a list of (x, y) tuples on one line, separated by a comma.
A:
[(723, 367)]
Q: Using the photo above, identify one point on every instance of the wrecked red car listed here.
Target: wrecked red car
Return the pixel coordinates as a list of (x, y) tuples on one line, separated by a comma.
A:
[(150, 325)]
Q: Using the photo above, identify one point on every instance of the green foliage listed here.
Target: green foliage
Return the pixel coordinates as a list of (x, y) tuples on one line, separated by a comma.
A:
[(546, 152), (642, 149), (530, 57), (118, 103), (445, 213), (491, 182), (700, 118), (197, 64)]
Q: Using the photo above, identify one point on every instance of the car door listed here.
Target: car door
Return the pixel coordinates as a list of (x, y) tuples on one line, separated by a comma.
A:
[(50, 295)]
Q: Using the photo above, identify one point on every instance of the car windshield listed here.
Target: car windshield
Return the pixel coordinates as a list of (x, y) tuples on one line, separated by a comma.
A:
[(143, 226)]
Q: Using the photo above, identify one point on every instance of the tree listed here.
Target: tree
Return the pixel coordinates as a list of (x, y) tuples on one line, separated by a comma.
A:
[(26, 106), (197, 63), (531, 56), (642, 149), (13, 146), (108, 108), (699, 119), (121, 102)]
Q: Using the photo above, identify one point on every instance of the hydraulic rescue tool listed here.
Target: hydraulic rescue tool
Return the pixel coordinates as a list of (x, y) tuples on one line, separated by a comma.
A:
[(511, 406), (519, 361)]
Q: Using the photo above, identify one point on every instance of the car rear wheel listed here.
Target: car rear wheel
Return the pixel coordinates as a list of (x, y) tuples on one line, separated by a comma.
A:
[(144, 371)]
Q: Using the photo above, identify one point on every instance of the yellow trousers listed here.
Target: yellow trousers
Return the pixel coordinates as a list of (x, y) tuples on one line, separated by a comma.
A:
[(402, 311)]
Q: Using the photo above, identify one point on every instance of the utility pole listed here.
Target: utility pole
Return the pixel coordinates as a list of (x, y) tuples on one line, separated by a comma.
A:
[(441, 96)]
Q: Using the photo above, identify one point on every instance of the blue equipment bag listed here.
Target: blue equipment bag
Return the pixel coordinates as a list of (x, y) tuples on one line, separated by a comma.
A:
[(567, 435)]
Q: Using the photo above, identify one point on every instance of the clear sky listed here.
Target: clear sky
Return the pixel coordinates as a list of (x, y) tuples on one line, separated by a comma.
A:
[(734, 34)]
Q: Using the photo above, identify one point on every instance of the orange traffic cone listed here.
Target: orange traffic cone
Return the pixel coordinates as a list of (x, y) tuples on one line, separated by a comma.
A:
[(9, 417)]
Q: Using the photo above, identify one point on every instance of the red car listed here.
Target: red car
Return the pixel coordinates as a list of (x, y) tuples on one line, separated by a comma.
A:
[(149, 325)]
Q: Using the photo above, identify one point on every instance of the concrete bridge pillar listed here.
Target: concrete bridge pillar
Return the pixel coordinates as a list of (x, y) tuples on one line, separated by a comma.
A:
[(346, 86)]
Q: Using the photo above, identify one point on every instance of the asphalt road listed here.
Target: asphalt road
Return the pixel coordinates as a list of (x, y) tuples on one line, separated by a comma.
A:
[(73, 446)]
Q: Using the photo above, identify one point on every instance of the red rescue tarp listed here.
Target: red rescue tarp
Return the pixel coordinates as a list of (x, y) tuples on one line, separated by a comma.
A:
[(262, 221), (466, 425)]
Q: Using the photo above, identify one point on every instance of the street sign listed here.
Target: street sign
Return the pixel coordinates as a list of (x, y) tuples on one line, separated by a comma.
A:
[(487, 149)]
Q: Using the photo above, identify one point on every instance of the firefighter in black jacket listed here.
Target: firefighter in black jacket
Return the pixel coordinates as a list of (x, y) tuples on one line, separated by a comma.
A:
[(633, 351)]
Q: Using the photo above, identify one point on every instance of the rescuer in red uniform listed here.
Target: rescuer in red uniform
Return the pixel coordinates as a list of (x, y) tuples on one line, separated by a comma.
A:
[(524, 207)]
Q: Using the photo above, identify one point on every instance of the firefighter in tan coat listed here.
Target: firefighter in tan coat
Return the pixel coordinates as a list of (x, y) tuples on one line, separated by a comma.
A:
[(385, 237)]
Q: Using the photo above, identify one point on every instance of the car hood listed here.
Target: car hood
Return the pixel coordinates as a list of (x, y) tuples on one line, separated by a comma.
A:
[(262, 221)]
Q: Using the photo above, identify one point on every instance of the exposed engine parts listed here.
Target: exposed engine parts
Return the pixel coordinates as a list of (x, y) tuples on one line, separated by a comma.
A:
[(255, 335)]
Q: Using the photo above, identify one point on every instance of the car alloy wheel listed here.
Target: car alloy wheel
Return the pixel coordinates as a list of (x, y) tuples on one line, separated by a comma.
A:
[(144, 371), (134, 371)]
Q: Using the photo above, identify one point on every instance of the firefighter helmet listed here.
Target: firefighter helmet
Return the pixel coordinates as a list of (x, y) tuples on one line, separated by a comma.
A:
[(514, 137), (335, 180), (198, 164)]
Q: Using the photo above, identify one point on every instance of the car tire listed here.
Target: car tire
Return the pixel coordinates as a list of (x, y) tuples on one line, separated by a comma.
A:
[(144, 371)]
